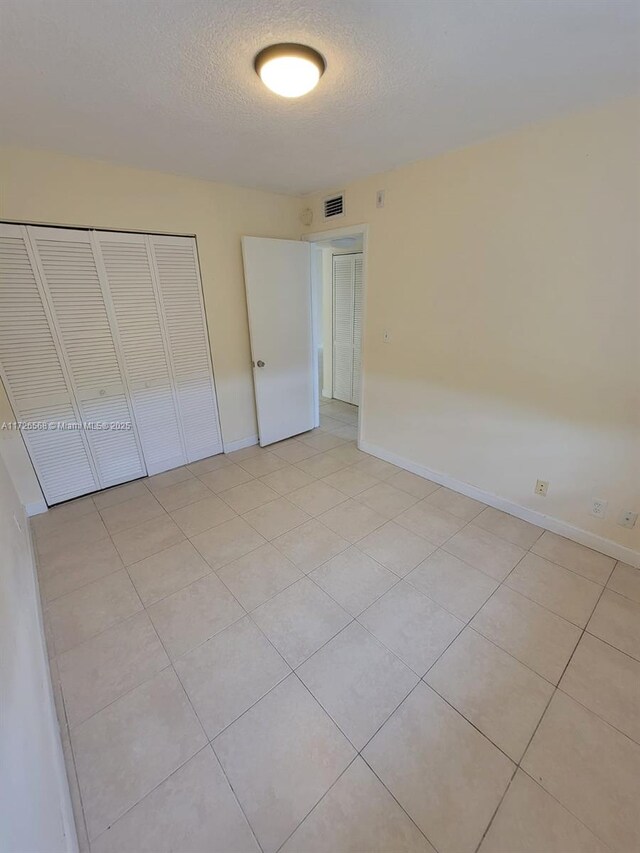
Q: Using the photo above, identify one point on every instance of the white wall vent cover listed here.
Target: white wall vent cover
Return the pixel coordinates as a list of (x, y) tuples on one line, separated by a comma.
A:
[(334, 206)]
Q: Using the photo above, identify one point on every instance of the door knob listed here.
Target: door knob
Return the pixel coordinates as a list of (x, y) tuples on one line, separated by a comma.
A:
[(261, 364)]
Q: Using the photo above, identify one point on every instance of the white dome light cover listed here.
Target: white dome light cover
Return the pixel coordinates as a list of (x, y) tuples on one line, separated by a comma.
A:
[(289, 70)]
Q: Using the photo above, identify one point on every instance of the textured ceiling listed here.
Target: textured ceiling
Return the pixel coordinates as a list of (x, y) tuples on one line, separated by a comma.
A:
[(169, 84)]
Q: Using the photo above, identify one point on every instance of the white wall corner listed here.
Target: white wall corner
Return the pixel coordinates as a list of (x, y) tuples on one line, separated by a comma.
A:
[(66, 803), (240, 443), (13, 452), (35, 508), (547, 522)]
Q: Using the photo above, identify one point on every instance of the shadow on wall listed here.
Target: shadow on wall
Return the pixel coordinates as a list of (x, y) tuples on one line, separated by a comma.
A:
[(33, 780)]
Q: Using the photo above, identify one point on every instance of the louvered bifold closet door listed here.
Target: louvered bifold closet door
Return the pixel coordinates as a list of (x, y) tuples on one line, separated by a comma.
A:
[(343, 304), (178, 276), (72, 283), (357, 327), (132, 290), (34, 375)]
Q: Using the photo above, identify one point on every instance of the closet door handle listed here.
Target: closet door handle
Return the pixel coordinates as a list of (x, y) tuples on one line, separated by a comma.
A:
[(261, 364)]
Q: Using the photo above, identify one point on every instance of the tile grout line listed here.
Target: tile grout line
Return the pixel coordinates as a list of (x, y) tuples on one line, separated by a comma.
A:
[(215, 571), (610, 645), (539, 723), (280, 681), (573, 571), (80, 796), (497, 809), (169, 666), (209, 741), (171, 662), (355, 544), (382, 782), (352, 544), (177, 675), (555, 687), (63, 725), (206, 736), (101, 633), (358, 754), (330, 788), (533, 601), (599, 716), (388, 717)]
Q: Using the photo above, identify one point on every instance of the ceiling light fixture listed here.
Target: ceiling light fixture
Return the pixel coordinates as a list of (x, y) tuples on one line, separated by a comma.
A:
[(290, 70)]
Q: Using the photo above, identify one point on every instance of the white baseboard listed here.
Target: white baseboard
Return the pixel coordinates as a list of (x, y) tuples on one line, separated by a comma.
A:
[(239, 444), (37, 507), (555, 525)]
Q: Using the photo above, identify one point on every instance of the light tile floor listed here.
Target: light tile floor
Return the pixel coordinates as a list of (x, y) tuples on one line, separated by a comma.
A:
[(302, 649)]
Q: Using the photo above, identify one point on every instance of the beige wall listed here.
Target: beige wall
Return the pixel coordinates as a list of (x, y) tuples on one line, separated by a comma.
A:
[(508, 276), (44, 187)]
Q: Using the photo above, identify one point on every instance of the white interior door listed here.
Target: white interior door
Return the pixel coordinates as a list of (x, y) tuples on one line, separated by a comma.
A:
[(277, 276)]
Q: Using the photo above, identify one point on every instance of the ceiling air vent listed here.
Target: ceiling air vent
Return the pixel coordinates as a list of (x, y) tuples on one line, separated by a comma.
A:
[(334, 206)]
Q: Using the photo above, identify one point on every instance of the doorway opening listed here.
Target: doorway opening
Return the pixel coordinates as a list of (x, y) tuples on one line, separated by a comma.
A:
[(305, 307), (337, 280)]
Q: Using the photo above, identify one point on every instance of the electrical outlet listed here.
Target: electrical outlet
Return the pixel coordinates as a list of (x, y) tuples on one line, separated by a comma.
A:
[(598, 507), (380, 198), (627, 518), (541, 487)]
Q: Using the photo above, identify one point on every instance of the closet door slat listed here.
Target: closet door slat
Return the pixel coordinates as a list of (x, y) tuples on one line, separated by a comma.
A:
[(107, 329), (178, 276), (128, 271), (72, 283), (34, 376)]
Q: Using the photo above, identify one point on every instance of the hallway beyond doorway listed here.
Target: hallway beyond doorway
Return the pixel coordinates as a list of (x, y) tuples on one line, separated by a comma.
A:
[(338, 418)]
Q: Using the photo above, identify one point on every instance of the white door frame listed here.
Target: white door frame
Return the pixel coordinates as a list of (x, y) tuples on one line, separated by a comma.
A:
[(332, 234)]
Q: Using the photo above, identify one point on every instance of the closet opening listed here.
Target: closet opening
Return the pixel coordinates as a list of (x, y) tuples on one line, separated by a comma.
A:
[(104, 355)]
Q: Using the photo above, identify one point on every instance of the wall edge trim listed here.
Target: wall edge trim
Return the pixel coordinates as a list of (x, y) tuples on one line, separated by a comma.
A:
[(54, 724), (548, 522)]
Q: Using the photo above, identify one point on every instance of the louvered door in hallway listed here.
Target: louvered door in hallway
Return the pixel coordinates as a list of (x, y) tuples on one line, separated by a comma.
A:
[(347, 326)]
